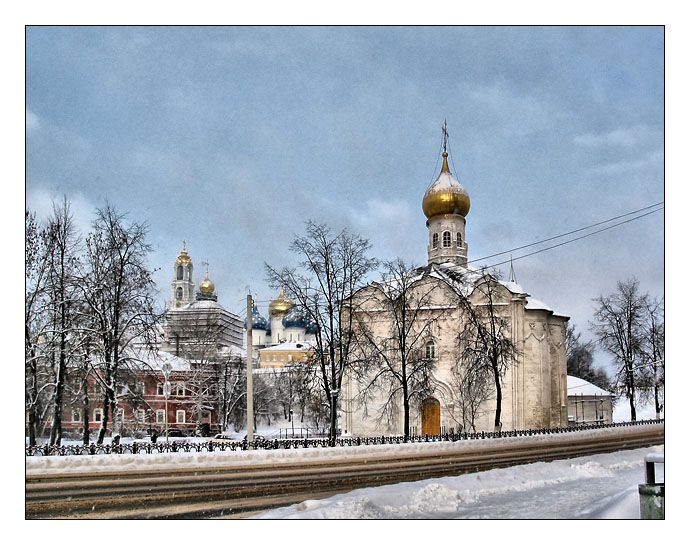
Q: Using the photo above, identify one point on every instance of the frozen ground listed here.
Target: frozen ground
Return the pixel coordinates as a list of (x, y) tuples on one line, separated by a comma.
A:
[(592, 487)]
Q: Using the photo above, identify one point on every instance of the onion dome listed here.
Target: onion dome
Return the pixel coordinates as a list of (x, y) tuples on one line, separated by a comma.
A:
[(294, 318), (258, 321), (207, 287), (312, 328), (445, 195), (281, 305), (183, 258)]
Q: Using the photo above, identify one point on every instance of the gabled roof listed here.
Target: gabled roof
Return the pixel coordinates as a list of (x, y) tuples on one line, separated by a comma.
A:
[(580, 387)]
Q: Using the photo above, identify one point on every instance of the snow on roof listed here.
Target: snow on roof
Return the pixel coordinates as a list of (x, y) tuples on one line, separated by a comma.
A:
[(232, 350), (578, 386), (156, 359), (291, 347), (536, 304), (464, 279)]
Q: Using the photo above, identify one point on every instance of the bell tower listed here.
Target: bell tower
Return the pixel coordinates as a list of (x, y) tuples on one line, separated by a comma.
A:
[(182, 285)]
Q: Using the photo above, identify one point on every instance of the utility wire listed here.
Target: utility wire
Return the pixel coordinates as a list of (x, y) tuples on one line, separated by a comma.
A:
[(574, 239), (574, 231)]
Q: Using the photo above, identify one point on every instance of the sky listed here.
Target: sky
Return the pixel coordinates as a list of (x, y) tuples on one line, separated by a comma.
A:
[(230, 138)]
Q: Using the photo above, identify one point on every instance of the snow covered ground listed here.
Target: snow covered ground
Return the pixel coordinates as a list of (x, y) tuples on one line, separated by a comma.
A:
[(592, 487)]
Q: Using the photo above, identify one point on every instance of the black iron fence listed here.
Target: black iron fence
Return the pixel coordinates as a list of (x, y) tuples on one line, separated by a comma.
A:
[(213, 445)]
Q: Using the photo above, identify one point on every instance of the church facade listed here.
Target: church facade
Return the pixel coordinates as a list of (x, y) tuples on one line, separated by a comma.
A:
[(534, 384)]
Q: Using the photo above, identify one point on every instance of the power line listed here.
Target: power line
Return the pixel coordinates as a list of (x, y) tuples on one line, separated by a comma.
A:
[(574, 239), (572, 232)]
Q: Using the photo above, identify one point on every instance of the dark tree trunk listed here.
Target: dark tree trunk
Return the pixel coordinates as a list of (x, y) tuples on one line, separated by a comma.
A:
[(333, 428), (86, 434), (32, 426), (499, 400)]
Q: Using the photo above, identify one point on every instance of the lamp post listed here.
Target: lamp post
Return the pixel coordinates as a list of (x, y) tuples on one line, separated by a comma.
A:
[(166, 392), (292, 420), (250, 384)]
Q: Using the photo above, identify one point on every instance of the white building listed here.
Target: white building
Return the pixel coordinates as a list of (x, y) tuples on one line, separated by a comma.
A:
[(534, 389), (286, 326), (588, 404), (196, 326)]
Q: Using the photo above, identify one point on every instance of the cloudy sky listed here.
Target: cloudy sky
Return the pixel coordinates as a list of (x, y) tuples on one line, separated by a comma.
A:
[(231, 137)]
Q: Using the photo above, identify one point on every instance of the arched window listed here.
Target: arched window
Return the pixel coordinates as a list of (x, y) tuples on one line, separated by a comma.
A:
[(178, 293), (459, 238), (446, 239), (430, 350), (179, 272), (434, 240)]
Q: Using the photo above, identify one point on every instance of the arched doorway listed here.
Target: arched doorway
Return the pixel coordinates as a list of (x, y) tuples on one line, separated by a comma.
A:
[(431, 416)]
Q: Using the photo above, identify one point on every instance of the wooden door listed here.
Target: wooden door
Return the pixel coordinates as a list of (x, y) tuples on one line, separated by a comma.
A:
[(431, 416)]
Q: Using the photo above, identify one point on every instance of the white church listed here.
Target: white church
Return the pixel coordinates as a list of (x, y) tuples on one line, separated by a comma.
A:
[(534, 387)]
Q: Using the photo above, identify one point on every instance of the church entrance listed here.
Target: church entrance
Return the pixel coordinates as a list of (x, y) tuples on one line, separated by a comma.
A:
[(431, 416)]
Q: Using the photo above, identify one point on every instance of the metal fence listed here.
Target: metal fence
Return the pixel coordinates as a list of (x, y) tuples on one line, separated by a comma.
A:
[(273, 444)]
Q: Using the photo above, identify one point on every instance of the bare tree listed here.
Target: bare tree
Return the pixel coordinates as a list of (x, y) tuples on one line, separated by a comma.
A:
[(118, 288), (619, 327), (332, 267), (653, 353), (392, 338), (232, 380), (35, 323), (61, 243), (197, 337), (473, 389), (486, 344), (580, 359)]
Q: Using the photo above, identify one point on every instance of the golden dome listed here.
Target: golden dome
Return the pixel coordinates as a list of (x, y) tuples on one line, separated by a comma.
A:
[(280, 305), (445, 195), (207, 287), (183, 258)]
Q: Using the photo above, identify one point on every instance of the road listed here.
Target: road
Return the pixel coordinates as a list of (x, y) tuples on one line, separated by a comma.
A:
[(226, 490)]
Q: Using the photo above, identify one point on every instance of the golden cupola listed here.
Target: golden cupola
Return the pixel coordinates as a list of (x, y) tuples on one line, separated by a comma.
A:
[(207, 287), (183, 258), (280, 305), (445, 205), (445, 195)]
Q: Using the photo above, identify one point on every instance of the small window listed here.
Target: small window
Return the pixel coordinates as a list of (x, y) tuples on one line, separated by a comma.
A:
[(97, 415), (179, 417), (178, 293), (430, 350), (140, 415), (179, 390), (446, 239), (434, 240), (76, 416), (459, 239), (160, 416), (159, 389), (139, 388), (180, 272)]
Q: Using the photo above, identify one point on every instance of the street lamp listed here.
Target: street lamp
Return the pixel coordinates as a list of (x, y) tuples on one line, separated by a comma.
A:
[(292, 420), (166, 392)]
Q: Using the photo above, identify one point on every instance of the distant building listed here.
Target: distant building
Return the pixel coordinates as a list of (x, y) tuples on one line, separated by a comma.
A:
[(283, 354), (588, 404), (196, 326), (197, 337), (286, 337)]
